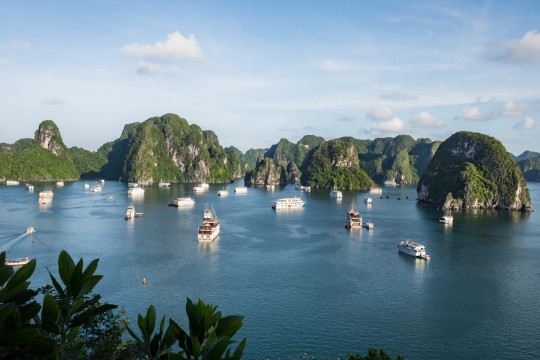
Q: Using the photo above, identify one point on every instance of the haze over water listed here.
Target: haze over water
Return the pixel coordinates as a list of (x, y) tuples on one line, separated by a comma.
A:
[(304, 283)]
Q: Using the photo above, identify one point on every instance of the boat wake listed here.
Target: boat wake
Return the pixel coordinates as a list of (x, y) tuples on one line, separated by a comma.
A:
[(6, 246)]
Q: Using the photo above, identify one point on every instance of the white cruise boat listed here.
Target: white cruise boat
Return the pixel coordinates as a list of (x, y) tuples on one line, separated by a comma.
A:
[(59, 183), (96, 188), (375, 190), (12, 182), (354, 220), (45, 197), (241, 190), (210, 227), (17, 262), (223, 192), (130, 213), (205, 185), (288, 203), (164, 184), (29, 187), (413, 249), (198, 189), (86, 186), (182, 201), (368, 200), (390, 183), (136, 190), (447, 219), (336, 193)]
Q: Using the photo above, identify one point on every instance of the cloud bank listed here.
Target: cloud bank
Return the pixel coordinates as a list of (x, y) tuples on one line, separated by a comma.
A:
[(177, 47), (527, 123)]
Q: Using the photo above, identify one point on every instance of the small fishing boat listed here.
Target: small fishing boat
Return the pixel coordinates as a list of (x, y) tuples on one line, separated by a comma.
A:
[(368, 200), (164, 184), (29, 187), (30, 230), (130, 213), (369, 225), (447, 219), (223, 192), (182, 201), (241, 190), (59, 183), (86, 186), (96, 188)]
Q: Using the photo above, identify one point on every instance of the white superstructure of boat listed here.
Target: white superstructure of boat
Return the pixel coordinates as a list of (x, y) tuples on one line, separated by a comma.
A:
[(102, 181), (369, 225), (164, 184), (96, 188), (59, 183), (390, 183), (45, 197), (130, 213), (270, 187), (131, 184), (413, 249), (210, 227), (86, 186), (198, 188), (354, 219), (288, 203), (17, 262), (375, 190), (447, 219), (182, 201), (223, 192), (241, 190), (136, 190), (205, 185), (368, 200), (12, 182), (336, 193), (30, 230), (29, 187)]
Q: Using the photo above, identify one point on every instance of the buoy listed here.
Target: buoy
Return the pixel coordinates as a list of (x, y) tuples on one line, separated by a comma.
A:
[(144, 281), (32, 241)]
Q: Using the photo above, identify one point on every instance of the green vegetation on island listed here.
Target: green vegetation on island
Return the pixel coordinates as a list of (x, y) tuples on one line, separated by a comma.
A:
[(44, 158), (530, 167), (335, 163), (472, 170)]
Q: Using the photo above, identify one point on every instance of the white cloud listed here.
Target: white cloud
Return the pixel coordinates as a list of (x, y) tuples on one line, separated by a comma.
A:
[(380, 113), (425, 119), (394, 124), (514, 110), (398, 96), (24, 46), (527, 123), (54, 100), (474, 113), (147, 68), (176, 47), (347, 117), (287, 128), (525, 49)]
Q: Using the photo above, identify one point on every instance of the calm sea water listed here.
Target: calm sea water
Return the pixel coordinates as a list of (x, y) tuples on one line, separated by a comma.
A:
[(307, 286)]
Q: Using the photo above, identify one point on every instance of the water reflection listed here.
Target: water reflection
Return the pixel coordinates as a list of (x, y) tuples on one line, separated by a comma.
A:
[(208, 248)]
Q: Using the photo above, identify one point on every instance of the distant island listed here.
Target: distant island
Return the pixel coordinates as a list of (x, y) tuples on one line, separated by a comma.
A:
[(168, 148)]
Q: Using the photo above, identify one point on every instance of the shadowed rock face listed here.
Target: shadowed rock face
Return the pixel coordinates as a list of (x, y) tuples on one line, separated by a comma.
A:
[(474, 171)]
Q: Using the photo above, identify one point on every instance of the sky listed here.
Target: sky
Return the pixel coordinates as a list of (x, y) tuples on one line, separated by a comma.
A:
[(258, 71)]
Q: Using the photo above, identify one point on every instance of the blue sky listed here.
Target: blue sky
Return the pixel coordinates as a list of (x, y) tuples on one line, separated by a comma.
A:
[(255, 72)]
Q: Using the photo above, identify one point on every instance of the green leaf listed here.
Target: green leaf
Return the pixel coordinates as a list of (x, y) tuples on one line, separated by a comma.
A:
[(150, 319), (89, 284), (21, 275), (65, 267), (229, 325), (82, 317), (76, 280), (218, 348), (90, 269), (142, 325), (18, 337), (5, 310), (50, 309), (240, 349), (57, 285), (133, 335)]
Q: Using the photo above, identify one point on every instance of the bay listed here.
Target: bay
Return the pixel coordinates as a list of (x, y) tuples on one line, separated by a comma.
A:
[(306, 286)]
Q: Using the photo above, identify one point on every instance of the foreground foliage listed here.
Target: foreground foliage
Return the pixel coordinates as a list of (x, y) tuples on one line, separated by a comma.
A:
[(373, 354)]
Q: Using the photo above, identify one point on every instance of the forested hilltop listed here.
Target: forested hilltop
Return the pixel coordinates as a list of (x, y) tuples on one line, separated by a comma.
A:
[(472, 170)]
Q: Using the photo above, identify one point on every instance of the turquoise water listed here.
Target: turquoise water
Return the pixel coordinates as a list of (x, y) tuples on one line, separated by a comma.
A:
[(306, 286)]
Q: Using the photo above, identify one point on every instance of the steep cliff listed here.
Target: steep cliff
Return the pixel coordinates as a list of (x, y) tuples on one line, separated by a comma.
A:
[(472, 170), (268, 172), (335, 163)]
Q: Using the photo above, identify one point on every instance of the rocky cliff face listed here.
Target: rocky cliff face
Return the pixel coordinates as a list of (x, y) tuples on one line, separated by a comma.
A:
[(268, 172), (48, 137), (474, 171), (335, 163)]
